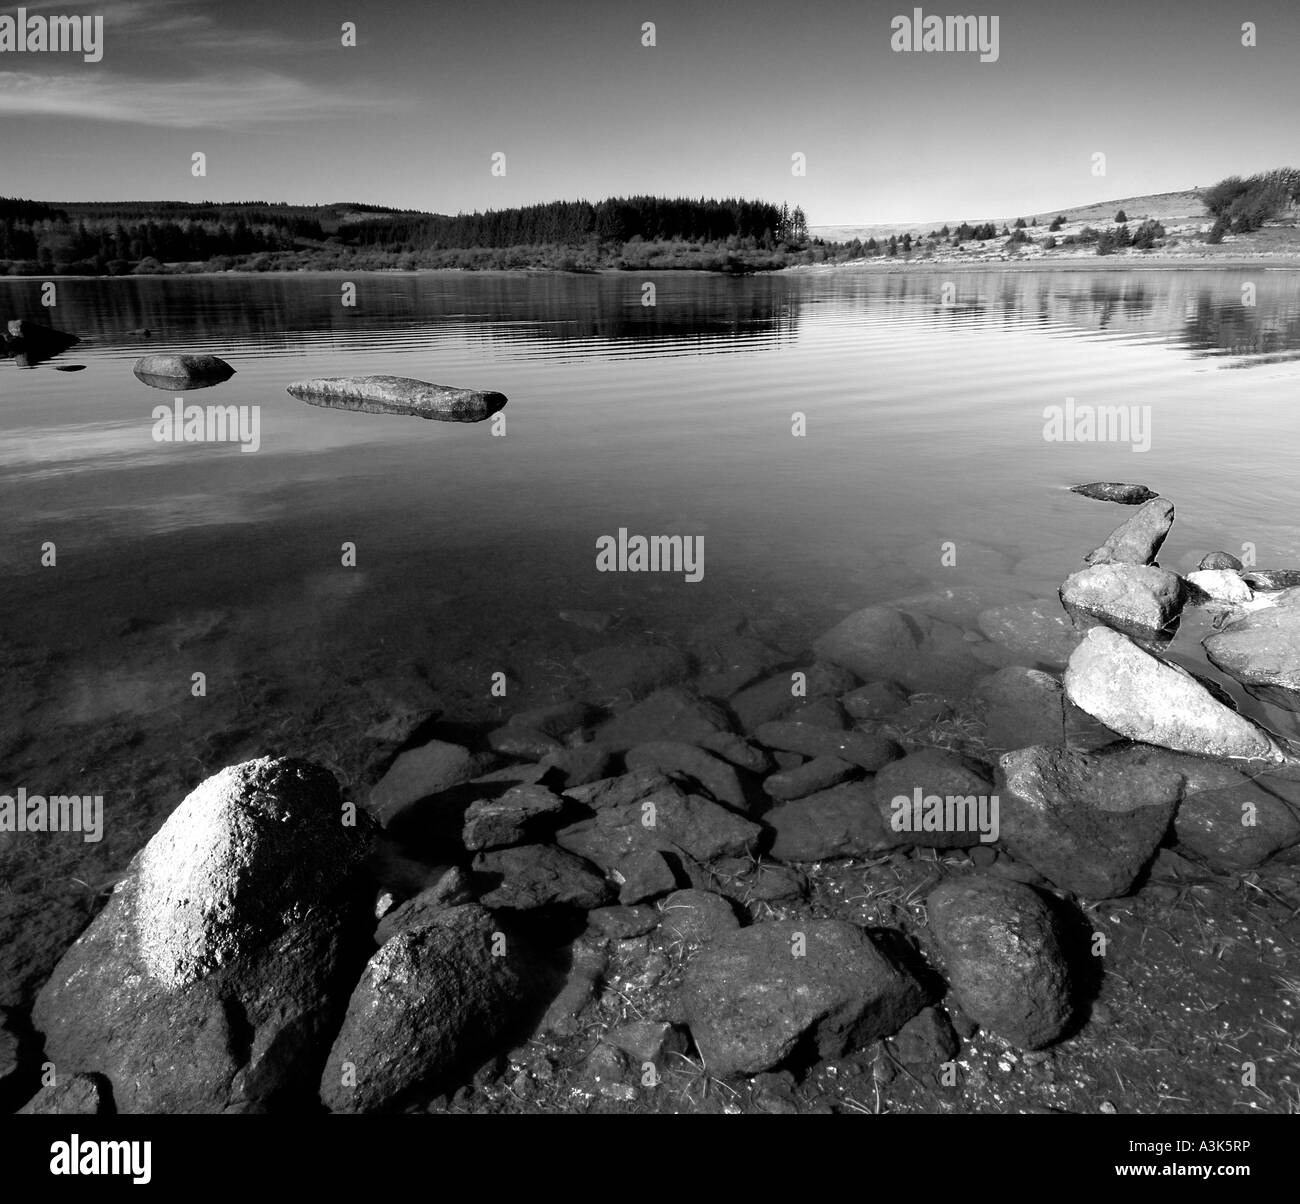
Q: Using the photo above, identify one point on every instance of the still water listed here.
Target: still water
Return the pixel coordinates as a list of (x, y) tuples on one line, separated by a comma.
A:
[(924, 421)]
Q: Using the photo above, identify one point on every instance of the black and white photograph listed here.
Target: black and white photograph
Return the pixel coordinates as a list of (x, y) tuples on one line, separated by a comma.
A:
[(672, 557)]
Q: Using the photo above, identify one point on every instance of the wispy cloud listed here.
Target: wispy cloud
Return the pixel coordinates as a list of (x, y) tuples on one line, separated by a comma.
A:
[(241, 100)]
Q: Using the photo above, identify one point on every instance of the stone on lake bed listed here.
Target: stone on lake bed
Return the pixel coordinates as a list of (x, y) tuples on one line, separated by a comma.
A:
[(182, 371), (1115, 491), (1039, 631), (398, 395)]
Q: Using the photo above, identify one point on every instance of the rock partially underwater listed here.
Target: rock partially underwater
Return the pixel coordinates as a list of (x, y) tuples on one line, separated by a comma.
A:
[(182, 371), (399, 395), (30, 343)]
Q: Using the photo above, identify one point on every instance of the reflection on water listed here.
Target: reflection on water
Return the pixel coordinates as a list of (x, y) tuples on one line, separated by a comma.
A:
[(923, 413)]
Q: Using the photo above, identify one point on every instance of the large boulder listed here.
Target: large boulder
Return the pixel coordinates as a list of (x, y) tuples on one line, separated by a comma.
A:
[(754, 995), (432, 1003), (1140, 600), (1137, 540), (1148, 699), (1001, 948), (1090, 822), (217, 973)]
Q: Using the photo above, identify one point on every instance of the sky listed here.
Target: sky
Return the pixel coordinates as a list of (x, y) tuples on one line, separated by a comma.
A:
[(414, 113)]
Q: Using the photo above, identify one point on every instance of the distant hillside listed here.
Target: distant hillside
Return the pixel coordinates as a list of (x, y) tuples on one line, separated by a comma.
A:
[(1170, 208)]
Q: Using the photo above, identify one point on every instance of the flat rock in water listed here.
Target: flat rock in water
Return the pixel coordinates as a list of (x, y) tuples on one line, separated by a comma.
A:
[(671, 714), (1145, 698), (182, 371), (675, 757), (432, 1002), (1138, 540), (750, 1004), (1140, 600), (1089, 822), (215, 976), (668, 820), (420, 772), (632, 670), (1115, 491), (1039, 631), (1262, 648), (918, 651), (1001, 949), (398, 395), (820, 773), (867, 751)]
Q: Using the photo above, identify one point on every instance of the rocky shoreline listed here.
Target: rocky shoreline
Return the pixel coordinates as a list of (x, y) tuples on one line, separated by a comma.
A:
[(634, 898)]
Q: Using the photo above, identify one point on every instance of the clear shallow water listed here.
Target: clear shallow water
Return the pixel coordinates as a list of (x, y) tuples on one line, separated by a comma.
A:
[(924, 425)]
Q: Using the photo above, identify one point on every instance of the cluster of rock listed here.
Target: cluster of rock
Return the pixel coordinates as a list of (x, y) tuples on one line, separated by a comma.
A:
[(275, 947)]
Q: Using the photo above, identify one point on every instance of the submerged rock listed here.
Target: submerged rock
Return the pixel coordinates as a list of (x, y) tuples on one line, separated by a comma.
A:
[(915, 650), (863, 749), (215, 976), (182, 371), (674, 714), (398, 395), (843, 821), (1140, 600), (1002, 952), (1115, 491), (751, 1001), (632, 670), (1037, 631), (1148, 699), (1262, 648)]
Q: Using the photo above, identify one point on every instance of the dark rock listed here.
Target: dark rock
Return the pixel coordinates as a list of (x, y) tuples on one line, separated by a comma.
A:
[(618, 792), (421, 772), (919, 652), (926, 1039), (79, 1095), (1148, 699), (1022, 706), (643, 874), (432, 1002), (817, 774), (215, 976), (671, 714), (1270, 580), (841, 822), (738, 751), (935, 773), (582, 981), (452, 889), (1114, 491), (1139, 600), (648, 1041), (1002, 953), (398, 395), (524, 743), (622, 923), (820, 712), (859, 748), (182, 371), (1089, 821), (556, 719), (522, 815), (1219, 560), (696, 915), (1138, 540), (747, 881), (539, 875), (580, 766), (875, 700), (778, 695), (754, 996), (30, 343), (668, 820), (632, 670), (673, 757)]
